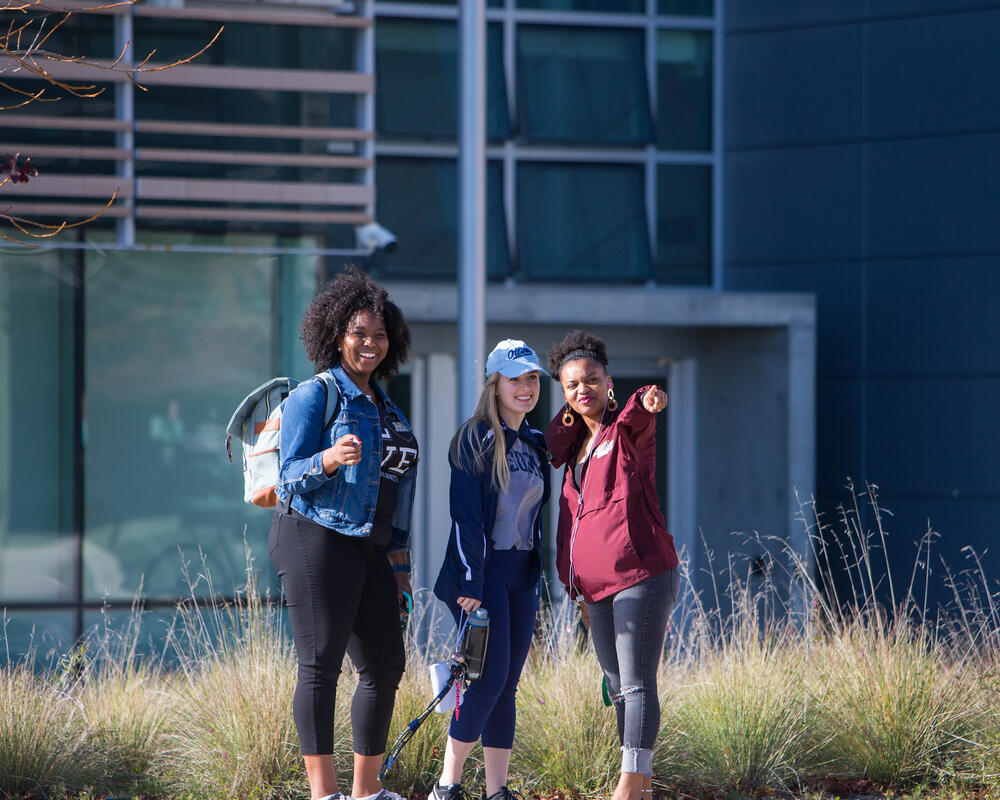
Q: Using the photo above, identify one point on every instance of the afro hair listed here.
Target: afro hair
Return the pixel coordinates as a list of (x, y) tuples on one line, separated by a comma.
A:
[(577, 341), (331, 311)]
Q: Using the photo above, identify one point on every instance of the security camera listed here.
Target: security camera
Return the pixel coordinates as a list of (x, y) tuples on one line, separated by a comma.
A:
[(372, 237)]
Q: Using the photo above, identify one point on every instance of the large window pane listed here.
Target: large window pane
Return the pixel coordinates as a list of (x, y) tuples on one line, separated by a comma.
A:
[(684, 90), (37, 440), (44, 633), (684, 224), (418, 201), (173, 342), (582, 85), (616, 6), (416, 72), (248, 45), (582, 222), (685, 8)]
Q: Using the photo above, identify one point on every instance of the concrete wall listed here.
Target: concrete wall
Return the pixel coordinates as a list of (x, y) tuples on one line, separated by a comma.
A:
[(862, 158)]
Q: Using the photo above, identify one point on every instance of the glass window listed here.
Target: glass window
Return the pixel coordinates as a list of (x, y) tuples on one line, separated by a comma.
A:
[(684, 224), (174, 341), (582, 222), (416, 72), (684, 90), (582, 85), (247, 45), (37, 442), (685, 8), (418, 201), (616, 6), (239, 106), (44, 632)]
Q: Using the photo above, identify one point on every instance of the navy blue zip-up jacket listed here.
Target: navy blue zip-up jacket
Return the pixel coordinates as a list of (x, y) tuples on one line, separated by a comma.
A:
[(473, 512)]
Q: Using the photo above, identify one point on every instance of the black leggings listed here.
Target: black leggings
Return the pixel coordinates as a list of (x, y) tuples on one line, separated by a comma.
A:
[(341, 597)]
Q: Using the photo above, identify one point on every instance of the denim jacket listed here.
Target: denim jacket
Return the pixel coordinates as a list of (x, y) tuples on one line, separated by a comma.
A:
[(344, 501)]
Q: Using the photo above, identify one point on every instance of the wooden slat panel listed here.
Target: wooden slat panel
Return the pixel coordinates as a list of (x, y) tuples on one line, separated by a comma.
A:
[(255, 131), (67, 151), (227, 191), (244, 13), (240, 12), (254, 215), (263, 159), (8, 120), (55, 185), (223, 77), (64, 211)]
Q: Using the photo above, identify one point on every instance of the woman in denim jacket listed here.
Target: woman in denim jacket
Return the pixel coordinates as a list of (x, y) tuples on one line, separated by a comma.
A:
[(340, 536), (499, 483)]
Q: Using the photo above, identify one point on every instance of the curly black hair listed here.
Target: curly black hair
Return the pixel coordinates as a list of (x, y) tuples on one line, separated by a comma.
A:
[(331, 311), (577, 341)]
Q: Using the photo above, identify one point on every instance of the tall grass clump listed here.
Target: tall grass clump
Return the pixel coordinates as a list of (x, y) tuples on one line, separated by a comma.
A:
[(903, 691), (232, 734), (566, 738), (42, 746), (124, 710)]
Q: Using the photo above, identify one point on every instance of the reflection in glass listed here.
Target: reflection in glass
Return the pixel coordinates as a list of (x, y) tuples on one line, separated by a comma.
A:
[(416, 72), (684, 224), (685, 8), (684, 90), (46, 634), (582, 222), (37, 482), (173, 342), (615, 6), (582, 85), (418, 201)]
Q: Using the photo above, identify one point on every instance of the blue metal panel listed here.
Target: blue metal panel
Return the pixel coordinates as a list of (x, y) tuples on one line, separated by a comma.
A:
[(878, 8), (838, 425), (794, 86), (933, 74), (934, 196), (935, 436), (934, 317), (960, 524), (767, 13), (793, 205), (838, 306)]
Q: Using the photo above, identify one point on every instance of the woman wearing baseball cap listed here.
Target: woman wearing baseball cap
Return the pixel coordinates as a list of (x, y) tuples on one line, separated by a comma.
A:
[(499, 483)]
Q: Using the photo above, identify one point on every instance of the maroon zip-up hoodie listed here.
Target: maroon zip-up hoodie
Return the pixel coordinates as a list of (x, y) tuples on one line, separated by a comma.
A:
[(620, 537)]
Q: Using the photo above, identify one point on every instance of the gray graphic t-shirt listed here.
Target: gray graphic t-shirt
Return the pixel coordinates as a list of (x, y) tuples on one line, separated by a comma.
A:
[(516, 508)]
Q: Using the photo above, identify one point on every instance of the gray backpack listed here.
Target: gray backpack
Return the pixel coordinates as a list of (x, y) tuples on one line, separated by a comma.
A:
[(257, 423)]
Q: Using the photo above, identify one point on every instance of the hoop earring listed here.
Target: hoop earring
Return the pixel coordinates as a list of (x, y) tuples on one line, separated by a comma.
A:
[(567, 418), (612, 403)]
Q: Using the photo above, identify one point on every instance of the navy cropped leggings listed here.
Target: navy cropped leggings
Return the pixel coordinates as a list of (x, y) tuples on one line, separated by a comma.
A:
[(341, 597), (510, 596)]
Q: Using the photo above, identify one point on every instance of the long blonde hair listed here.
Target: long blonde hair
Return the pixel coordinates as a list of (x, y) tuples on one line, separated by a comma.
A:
[(469, 449)]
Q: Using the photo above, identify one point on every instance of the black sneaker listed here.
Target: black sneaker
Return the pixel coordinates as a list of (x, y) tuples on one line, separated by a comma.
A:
[(504, 793), (453, 792)]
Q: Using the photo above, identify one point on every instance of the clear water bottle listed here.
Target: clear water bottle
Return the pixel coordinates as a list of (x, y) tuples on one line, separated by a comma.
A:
[(477, 633)]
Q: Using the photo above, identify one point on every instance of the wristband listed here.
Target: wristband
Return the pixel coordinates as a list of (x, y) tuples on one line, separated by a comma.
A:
[(400, 567)]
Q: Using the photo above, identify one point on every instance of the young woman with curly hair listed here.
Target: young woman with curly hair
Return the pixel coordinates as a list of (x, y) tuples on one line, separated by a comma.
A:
[(613, 551), (340, 536)]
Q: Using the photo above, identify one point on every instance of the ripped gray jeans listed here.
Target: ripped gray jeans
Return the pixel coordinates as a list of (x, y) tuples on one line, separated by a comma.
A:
[(628, 629)]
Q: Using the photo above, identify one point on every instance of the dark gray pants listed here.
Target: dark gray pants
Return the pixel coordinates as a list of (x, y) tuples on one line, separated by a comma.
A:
[(628, 629)]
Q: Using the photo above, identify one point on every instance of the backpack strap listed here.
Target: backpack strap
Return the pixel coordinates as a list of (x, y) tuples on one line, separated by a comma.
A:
[(332, 396)]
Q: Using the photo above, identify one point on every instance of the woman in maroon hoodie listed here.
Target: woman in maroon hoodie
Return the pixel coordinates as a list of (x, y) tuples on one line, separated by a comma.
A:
[(614, 554)]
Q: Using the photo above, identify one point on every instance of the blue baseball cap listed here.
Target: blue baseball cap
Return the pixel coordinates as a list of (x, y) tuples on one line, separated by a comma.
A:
[(512, 358)]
